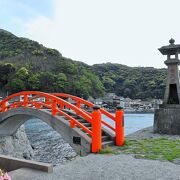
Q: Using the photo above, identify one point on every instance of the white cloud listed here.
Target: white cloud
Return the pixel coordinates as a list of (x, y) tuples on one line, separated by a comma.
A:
[(95, 31)]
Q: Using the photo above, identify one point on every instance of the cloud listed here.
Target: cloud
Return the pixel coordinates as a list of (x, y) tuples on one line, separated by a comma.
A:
[(126, 32), (14, 13), (16, 8)]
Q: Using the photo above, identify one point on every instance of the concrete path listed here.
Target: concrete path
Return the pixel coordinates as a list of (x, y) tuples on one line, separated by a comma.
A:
[(105, 167)]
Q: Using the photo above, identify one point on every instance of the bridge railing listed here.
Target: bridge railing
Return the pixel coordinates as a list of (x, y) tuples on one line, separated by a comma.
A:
[(28, 100), (118, 119), (56, 104)]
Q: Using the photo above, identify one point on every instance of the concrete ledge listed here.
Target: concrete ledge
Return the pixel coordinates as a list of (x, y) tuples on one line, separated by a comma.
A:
[(10, 164)]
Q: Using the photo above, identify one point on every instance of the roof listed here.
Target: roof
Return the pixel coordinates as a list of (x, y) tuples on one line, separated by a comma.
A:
[(170, 49)]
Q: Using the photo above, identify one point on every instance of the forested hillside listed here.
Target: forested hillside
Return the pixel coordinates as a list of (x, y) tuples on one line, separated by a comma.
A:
[(133, 82), (28, 65)]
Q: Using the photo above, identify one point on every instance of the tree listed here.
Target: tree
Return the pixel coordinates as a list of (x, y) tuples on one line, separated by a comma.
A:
[(22, 73), (34, 82), (15, 85), (60, 82), (5, 71), (46, 80)]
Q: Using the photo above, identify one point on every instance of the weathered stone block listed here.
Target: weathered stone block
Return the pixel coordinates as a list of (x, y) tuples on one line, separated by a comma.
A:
[(167, 120)]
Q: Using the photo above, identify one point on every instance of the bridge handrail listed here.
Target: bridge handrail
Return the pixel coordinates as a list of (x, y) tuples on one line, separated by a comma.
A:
[(53, 98), (83, 101), (73, 121)]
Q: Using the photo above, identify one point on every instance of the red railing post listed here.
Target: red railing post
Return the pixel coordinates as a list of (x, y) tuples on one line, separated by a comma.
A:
[(78, 104), (14, 105), (119, 126), (25, 100), (38, 106), (47, 101), (62, 106), (4, 109), (54, 106), (96, 130), (72, 124)]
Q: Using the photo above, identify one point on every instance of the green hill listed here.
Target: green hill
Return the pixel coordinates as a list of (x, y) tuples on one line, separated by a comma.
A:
[(28, 65), (133, 82)]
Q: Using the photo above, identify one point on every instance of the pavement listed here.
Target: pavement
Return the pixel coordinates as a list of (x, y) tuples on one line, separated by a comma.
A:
[(105, 167)]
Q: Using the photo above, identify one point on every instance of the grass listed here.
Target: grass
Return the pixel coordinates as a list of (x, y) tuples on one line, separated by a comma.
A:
[(157, 148), (154, 148), (106, 150)]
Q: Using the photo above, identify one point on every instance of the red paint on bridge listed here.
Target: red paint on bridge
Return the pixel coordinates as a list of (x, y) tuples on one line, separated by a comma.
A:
[(57, 104)]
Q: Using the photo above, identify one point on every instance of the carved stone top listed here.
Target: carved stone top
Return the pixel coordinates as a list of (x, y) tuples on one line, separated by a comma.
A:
[(170, 49), (171, 41)]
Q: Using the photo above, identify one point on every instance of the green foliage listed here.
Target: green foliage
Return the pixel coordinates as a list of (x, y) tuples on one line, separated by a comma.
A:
[(36, 67), (11, 46), (22, 73), (156, 148), (132, 82), (37, 52), (15, 85), (127, 142), (106, 150), (52, 52), (6, 70), (34, 82)]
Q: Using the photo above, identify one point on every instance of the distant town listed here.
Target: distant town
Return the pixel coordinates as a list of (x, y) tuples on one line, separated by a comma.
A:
[(110, 101)]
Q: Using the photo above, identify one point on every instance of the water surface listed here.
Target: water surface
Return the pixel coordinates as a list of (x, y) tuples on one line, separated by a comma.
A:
[(133, 122)]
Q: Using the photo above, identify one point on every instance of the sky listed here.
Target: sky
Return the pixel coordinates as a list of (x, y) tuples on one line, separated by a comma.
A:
[(127, 32)]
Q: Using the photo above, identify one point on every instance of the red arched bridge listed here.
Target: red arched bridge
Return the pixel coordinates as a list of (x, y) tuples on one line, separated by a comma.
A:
[(84, 130)]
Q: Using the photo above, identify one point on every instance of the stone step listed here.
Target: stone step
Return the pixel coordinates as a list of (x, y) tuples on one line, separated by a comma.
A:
[(68, 112), (105, 138), (76, 117), (104, 133), (82, 120), (86, 124), (107, 143)]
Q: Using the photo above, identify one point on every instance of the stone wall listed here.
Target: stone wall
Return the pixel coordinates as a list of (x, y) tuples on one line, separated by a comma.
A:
[(17, 145)]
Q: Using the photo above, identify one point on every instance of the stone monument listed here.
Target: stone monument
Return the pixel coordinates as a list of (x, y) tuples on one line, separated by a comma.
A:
[(167, 117)]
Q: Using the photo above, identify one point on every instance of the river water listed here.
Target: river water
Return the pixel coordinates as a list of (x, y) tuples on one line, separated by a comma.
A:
[(134, 122), (51, 148)]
